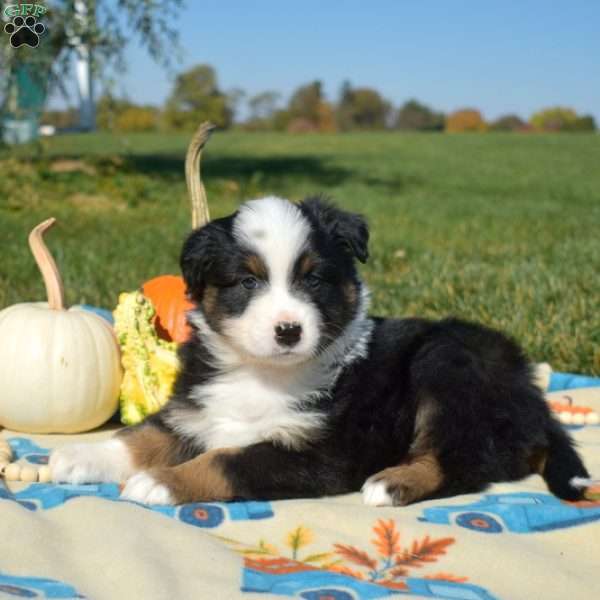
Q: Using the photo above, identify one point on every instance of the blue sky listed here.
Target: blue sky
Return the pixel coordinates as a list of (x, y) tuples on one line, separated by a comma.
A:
[(503, 56)]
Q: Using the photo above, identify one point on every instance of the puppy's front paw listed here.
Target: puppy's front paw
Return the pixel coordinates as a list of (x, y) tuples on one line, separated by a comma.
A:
[(90, 463), (146, 489), (375, 493)]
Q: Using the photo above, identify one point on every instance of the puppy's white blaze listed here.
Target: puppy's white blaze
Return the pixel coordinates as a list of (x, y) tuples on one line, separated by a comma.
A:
[(277, 231), (109, 460), (374, 493), (143, 488), (250, 405)]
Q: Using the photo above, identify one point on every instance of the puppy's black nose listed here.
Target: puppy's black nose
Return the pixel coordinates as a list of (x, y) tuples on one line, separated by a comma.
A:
[(288, 334)]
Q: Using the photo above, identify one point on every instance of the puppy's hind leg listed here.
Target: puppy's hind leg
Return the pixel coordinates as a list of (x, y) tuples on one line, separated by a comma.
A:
[(115, 459), (412, 481)]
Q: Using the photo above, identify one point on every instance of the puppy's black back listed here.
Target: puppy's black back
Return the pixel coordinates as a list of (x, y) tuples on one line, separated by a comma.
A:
[(461, 392)]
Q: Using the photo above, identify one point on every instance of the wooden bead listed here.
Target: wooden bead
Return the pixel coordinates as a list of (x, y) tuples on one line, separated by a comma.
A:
[(592, 418), (13, 472), (565, 417), (29, 474), (44, 474)]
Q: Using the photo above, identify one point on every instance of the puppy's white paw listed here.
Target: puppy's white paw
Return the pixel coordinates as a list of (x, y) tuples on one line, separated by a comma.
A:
[(375, 494), (142, 487), (91, 463)]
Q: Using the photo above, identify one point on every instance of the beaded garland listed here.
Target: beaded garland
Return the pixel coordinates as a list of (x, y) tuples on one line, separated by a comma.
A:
[(12, 471)]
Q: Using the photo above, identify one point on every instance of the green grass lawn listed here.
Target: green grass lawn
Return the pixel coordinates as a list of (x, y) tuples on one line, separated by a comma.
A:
[(503, 229)]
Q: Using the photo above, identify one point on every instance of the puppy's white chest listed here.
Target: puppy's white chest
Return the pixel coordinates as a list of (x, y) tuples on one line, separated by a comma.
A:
[(246, 407)]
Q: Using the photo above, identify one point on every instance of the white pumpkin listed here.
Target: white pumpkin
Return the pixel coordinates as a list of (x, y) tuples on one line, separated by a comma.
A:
[(60, 369)]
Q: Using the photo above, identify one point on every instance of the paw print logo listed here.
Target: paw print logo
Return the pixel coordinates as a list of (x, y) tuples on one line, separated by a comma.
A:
[(24, 31)]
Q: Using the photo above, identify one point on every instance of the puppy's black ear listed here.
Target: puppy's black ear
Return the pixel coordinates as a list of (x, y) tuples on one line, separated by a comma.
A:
[(200, 251), (350, 230)]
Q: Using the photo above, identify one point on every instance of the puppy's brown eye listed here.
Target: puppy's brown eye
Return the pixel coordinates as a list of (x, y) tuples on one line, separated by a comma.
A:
[(250, 283), (313, 281)]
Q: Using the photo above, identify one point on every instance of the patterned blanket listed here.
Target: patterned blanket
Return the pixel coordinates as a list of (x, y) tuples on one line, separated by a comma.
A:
[(515, 541)]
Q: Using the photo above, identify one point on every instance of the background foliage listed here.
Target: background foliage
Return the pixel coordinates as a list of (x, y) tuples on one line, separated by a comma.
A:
[(467, 119), (196, 96), (498, 228), (116, 22)]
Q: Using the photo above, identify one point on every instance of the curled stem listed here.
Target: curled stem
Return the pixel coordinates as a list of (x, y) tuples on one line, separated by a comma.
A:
[(47, 266), (195, 187)]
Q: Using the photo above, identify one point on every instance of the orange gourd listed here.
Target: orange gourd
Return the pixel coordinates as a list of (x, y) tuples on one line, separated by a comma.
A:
[(167, 292)]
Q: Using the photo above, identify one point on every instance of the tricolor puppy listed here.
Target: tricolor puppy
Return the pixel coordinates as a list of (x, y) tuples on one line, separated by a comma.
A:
[(288, 389)]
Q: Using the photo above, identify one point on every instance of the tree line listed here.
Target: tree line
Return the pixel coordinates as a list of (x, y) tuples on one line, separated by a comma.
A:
[(196, 96)]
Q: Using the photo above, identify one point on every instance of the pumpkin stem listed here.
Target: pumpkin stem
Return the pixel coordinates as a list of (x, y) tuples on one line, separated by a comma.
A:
[(195, 187), (47, 266)]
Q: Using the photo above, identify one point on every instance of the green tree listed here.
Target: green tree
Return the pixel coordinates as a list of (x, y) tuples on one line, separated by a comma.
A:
[(583, 124), (562, 118), (416, 116), (344, 109), (110, 25), (557, 118), (108, 109), (263, 105), (304, 102), (120, 114), (307, 111), (137, 118), (508, 123), (361, 108), (281, 119), (195, 98)]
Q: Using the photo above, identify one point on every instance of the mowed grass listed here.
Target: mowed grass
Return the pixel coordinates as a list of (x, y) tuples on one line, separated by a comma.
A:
[(501, 229)]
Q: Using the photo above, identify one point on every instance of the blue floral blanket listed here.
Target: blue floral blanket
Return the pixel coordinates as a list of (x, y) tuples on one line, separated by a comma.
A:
[(513, 541)]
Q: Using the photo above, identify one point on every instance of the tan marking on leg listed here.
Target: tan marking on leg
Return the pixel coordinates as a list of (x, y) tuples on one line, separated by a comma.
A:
[(150, 447), (413, 481), (199, 479), (426, 412)]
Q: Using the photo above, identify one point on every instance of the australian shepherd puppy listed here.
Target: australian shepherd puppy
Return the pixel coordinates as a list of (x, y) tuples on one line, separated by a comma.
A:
[(288, 389)]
